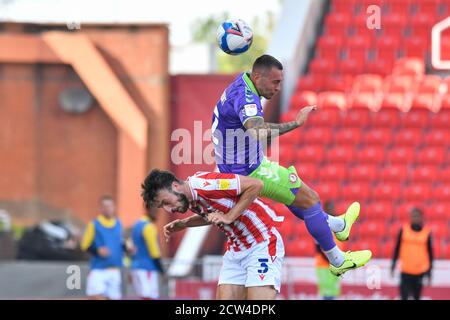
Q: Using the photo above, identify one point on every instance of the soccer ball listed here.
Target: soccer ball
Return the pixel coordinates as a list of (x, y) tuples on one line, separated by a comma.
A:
[(234, 36)]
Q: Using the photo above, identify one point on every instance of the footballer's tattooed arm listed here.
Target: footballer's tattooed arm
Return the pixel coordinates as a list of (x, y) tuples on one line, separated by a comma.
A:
[(261, 130)]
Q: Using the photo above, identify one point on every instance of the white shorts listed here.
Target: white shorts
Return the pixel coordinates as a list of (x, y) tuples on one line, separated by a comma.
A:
[(254, 267), (104, 282), (145, 283)]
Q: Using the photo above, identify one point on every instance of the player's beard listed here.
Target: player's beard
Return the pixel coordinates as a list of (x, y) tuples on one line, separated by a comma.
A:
[(183, 200)]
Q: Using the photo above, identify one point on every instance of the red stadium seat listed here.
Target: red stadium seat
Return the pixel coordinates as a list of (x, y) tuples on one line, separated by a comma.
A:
[(322, 66), (409, 66), (288, 154), (383, 210), (356, 118), (386, 191), (300, 248), (431, 155), (365, 100), (442, 192), (401, 6), (394, 173), (311, 153), (311, 82), (440, 119), (425, 101), (428, 6), (355, 190), (395, 100), (332, 172), (386, 118), (307, 171), (430, 84), (330, 190), (408, 137), (332, 99), (340, 154), (400, 83), (424, 174), (292, 138), (370, 154), (319, 135), (301, 99), (352, 66), (441, 209), (372, 229), (378, 136), (416, 192), (437, 137), (438, 230), (416, 47), (342, 6), (367, 83), (387, 249), (416, 118), (339, 18), (444, 174), (445, 103), (401, 155), (347, 135), (324, 117), (380, 66), (338, 82), (288, 116), (362, 172)]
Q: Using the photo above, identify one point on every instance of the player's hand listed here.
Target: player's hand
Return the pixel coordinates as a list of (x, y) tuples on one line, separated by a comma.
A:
[(103, 252), (174, 226), (218, 218), (303, 114)]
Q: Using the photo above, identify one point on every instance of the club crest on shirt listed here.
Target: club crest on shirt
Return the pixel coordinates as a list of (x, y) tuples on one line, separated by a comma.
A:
[(251, 110), (224, 184), (293, 178)]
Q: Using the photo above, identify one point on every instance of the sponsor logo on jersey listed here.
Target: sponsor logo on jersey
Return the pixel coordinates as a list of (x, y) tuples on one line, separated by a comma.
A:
[(251, 110), (293, 178)]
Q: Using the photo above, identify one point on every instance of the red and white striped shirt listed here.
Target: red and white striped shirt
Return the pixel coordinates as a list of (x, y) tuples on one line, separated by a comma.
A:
[(213, 191)]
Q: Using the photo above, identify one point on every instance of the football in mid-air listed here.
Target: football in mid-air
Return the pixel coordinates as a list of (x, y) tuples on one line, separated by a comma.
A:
[(234, 36)]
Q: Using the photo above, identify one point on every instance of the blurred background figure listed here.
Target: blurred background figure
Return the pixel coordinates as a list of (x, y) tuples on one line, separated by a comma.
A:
[(103, 238), (146, 259), (328, 285), (414, 246)]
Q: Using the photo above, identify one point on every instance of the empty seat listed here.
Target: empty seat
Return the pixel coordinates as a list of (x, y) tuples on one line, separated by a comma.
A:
[(288, 116), (307, 171), (378, 136), (367, 83), (397, 173), (416, 118), (311, 82), (365, 100), (430, 84), (431, 155), (437, 137), (362, 172), (416, 47), (341, 154), (386, 191), (441, 209), (380, 66), (401, 155), (370, 154), (408, 137), (348, 135), (441, 192), (324, 117), (395, 100), (440, 119), (338, 82), (409, 66), (416, 192), (332, 172), (352, 66), (310, 153), (332, 99), (372, 229), (356, 118), (386, 118), (383, 210), (444, 174), (424, 174), (322, 66), (425, 101), (400, 83), (301, 99), (356, 191), (319, 135)]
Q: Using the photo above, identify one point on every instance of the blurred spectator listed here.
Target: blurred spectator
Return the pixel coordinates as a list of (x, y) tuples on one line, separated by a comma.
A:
[(328, 284), (146, 260), (414, 246), (103, 238)]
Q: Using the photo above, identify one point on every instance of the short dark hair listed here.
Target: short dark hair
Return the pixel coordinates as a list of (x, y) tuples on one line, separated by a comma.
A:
[(154, 182), (266, 62), (416, 210), (105, 197)]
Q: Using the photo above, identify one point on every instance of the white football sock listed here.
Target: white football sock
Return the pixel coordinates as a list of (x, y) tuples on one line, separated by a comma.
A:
[(336, 224), (335, 256)]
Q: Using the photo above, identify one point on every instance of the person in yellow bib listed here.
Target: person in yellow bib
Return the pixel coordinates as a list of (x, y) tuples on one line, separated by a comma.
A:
[(415, 250), (103, 238)]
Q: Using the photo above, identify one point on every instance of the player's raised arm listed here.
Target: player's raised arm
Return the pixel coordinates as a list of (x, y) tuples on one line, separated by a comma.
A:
[(261, 130)]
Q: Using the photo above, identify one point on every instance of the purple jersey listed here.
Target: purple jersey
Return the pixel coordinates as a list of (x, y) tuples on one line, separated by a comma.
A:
[(235, 150)]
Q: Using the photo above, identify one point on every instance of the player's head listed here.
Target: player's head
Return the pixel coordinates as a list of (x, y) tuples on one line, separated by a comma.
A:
[(107, 206), (416, 217), (161, 189), (267, 75)]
